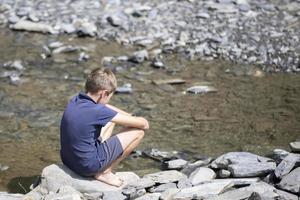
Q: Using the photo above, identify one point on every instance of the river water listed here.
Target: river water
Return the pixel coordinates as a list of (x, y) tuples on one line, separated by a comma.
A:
[(247, 113)]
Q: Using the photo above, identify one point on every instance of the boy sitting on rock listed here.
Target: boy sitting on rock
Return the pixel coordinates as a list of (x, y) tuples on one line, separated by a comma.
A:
[(88, 116)]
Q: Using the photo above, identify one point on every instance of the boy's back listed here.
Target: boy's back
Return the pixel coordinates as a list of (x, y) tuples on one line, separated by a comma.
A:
[(80, 127)]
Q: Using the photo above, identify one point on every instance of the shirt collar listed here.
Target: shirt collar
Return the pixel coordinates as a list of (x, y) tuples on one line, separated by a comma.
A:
[(83, 95)]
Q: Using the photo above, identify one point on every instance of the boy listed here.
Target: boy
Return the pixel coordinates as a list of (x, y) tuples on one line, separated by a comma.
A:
[(88, 116)]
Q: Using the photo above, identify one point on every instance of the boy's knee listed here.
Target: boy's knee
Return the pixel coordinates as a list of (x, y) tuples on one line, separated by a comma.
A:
[(141, 134)]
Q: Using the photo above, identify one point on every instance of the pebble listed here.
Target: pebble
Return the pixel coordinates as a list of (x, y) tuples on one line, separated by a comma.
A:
[(125, 89), (201, 89)]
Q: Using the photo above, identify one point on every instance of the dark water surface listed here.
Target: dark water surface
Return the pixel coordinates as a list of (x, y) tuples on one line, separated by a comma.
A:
[(248, 113)]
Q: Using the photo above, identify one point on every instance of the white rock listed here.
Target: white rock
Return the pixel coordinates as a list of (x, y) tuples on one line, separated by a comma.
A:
[(33, 26)]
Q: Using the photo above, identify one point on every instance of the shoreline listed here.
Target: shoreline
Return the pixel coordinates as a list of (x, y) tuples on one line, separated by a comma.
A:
[(234, 174)]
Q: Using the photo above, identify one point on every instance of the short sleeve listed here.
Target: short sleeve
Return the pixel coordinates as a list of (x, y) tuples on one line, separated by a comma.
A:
[(105, 115)]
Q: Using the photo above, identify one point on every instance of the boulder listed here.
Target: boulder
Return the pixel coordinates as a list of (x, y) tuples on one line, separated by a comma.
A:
[(287, 164), (291, 182), (166, 176), (252, 169), (55, 176), (202, 174)]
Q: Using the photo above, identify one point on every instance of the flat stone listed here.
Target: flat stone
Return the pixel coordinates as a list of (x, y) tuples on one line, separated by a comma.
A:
[(160, 155), (128, 177), (153, 196), (295, 146), (166, 176), (63, 196), (203, 190), (184, 183), (25, 25), (287, 164), (176, 164), (291, 182), (163, 187), (125, 89), (54, 176), (202, 174), (169, 81)]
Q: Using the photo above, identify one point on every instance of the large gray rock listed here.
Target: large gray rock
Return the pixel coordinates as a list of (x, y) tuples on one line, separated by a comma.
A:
[(55, 176), (295, 146), (244, 164), (291, 182), (202, 174), (166, 176), (203, 190), (252, 169), (287, 164)]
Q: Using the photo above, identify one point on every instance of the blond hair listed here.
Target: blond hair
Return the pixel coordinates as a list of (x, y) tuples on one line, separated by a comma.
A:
[(100, 79)]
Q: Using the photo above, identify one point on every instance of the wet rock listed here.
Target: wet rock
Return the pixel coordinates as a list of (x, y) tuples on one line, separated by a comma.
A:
[(163, 187), (165, 176), (17, 64), (125, 89), (176, 164), (113, 195), (244, 164), (223, 173), (3, 167), (201, 89), (291, 182), (83, 57), (160, 155), (202, 190), (295, 146), (202, 174), (158, 64), (139, 56), (65, 49), (287, 164), (33, 26)]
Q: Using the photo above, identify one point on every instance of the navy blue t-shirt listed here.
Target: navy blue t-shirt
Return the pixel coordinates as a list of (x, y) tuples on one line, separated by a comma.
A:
[(79, 132)]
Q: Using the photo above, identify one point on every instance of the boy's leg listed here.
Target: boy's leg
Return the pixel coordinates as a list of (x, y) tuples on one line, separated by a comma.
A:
[(129, 141), (107, 131)]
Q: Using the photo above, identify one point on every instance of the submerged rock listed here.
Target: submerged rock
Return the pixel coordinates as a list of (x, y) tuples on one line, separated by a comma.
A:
[(201, 89)]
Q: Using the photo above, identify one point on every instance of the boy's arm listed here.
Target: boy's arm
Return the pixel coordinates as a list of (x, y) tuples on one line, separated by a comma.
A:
[(118, 110), (130, 121)]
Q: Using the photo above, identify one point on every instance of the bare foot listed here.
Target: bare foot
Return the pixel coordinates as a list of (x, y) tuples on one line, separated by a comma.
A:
[(109, 178)]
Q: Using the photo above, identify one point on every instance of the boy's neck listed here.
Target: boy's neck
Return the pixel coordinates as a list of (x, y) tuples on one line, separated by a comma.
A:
[(94, 97)]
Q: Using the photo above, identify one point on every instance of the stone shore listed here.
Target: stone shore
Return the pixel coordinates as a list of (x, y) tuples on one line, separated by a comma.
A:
[(264, 33), (232, 176)]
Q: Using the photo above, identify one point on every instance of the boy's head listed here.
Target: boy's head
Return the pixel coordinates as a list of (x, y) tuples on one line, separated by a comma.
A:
[(101, 79)]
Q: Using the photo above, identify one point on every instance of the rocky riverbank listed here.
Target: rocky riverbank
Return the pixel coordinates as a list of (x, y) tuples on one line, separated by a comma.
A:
[(234, 176), (264, 33)]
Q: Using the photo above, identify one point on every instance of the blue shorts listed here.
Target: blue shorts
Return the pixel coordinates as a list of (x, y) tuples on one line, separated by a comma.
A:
[(112, 150)]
